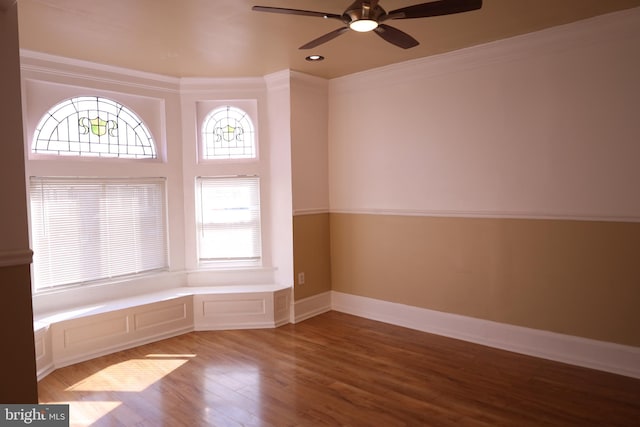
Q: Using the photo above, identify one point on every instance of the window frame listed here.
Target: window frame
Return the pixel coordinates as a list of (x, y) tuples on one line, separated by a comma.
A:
[(205, 108), (39, 96), (112, 182), (63, 110), (229, 262)]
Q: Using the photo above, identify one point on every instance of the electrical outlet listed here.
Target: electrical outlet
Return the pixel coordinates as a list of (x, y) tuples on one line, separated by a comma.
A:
[(301, 278)]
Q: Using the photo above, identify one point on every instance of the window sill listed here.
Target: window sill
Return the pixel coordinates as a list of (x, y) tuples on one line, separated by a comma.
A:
[(43, 320), (81, 297)]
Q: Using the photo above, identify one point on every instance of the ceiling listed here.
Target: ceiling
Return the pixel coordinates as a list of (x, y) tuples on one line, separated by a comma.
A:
[(225, 38)]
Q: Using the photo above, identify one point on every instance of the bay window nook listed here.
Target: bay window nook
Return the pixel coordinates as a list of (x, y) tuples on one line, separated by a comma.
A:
[(151, 209)]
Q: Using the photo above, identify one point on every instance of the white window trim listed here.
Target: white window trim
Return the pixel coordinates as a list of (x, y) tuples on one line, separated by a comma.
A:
[(231, 262), (95, 188)]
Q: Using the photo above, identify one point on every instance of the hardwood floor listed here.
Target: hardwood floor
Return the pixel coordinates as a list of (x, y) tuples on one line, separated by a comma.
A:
[(335, 370)]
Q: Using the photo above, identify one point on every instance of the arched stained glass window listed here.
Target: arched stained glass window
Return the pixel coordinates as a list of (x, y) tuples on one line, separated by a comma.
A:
[(227, 133), (93, 126)]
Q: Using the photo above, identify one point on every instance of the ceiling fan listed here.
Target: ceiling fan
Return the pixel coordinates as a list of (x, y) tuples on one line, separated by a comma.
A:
[(368, 15)]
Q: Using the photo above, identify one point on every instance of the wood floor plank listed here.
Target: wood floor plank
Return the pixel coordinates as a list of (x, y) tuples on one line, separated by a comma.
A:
[(336, 370)]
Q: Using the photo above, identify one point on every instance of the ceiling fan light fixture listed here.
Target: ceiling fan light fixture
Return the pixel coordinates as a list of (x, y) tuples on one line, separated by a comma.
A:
[(363, 25), (367, 15)]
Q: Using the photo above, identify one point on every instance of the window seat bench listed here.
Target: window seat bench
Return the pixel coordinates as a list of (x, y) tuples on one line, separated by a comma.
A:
[(70, 336)]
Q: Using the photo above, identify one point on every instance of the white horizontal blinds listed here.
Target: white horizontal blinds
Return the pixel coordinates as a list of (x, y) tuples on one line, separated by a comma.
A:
[(85, 230), (229, 219)]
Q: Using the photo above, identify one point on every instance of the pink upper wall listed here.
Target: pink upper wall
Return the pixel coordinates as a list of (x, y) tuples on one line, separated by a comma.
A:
[(542, 125), (309, 145)]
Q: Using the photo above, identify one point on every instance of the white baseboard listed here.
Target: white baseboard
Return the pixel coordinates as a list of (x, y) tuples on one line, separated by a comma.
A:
[(223, 326), (311, 306), (44, 371), (603, 356)]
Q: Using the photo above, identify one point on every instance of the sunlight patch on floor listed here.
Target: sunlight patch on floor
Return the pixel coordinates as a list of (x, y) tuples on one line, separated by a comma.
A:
[(87, 413), (138, 374)]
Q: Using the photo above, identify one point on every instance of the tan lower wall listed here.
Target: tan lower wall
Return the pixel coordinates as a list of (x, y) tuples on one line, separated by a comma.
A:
[(311, 254), (580, 278)]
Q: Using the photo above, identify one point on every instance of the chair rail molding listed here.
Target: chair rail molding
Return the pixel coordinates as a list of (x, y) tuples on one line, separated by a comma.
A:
[(16, 257)]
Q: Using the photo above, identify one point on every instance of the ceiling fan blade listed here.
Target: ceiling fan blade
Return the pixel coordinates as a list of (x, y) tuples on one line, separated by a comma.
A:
[(323, 39), (434, 8), (286, 11), (396, 37)]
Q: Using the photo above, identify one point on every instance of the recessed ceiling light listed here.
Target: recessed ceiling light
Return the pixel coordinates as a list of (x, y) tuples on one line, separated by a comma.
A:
[(314, 58)]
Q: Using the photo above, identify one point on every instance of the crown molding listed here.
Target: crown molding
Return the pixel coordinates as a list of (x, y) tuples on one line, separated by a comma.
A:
[(279, 80), (58, 66), (32, 62), (218, 84), (309, 80), (597, 30)]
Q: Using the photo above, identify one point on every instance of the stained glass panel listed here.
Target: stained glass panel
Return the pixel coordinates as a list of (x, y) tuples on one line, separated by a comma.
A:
[(93, 126), (228, 133)]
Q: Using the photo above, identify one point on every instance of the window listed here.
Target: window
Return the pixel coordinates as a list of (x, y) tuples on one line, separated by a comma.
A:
[(87, 229), (229, 219), (228, 133), (93, 126)]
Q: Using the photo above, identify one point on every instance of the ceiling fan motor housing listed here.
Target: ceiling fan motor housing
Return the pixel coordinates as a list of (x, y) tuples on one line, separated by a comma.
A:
[(363, 10)]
